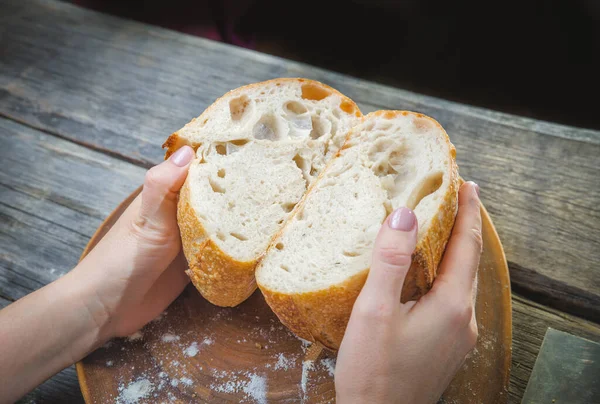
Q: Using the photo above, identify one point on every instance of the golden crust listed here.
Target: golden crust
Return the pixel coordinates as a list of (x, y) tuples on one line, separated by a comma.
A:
[(175, 141), (222, 280), (321, 316)]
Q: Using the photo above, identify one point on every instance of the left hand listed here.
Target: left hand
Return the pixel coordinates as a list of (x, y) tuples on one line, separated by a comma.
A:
[(128, 279), (135, 271)]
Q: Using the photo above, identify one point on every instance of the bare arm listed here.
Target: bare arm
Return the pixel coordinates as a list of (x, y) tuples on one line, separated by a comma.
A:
[(125, 282)]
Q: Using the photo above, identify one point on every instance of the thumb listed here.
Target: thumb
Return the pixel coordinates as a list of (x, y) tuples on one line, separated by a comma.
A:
[(161, 187), (392, 256)]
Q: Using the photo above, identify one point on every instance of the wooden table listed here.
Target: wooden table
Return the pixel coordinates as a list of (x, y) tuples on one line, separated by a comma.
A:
[(87, 99)]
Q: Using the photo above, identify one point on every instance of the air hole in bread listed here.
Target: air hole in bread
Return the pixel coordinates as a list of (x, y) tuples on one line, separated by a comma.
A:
[(285, 268), (423, 125), (428, 186), (239, 142), (239, 236), (267, 128), (221, 236), (351, 253), (314, 92), (288, 207), (304, 166), (216, 187), (221, 149), (295, 107), (279, 246), (347, 107), (221, 173), (320, 127), (238, 107)]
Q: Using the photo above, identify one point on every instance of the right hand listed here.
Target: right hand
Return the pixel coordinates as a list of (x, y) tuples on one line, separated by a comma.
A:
[(409, 353)]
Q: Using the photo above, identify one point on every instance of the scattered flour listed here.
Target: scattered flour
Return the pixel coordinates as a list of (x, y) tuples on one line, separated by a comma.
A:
[(257, 388), (283, 362), (253, 385), (208, 341), (306, 367), (174, 382), (135, 391), (191, 350), (187, 381), (159, 317), (135, 336), (329, 364), (169, 338), (109, 363)]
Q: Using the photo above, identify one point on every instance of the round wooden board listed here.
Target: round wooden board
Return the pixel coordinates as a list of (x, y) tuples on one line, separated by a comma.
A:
[(197, 352)]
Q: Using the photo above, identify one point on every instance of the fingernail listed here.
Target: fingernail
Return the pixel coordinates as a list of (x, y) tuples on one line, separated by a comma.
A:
[(402, 219), (474, 184), (182, 156)]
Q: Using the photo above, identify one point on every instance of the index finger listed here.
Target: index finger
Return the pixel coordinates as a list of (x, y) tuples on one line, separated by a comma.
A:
[(461, 259)]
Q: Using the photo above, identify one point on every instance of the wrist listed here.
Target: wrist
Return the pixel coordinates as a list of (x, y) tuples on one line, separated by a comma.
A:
[(89, 317)]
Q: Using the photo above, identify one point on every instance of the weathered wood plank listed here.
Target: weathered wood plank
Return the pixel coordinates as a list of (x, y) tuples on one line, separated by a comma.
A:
[(530, 322), (61, 388), (120, 87), (4, 302), (53, 196)]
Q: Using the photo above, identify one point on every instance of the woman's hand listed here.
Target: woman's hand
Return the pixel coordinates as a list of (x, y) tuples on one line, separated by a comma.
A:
[(409, 353), (135, 272), (129, 278)]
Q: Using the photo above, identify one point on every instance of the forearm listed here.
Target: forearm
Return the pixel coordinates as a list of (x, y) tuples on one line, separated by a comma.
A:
[(45, 332)]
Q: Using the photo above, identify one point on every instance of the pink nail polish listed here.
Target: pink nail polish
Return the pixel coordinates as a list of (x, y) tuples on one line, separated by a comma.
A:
[(476, 186), (402, 219), (182, 156)]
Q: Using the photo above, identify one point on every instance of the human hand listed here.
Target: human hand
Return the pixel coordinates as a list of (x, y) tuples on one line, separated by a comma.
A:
[(409, 353), (136, 270), (129, 278)]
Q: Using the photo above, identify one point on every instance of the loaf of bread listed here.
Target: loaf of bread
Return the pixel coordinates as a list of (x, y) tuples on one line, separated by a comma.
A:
[(315, 268), (289, 187), (258, 149)]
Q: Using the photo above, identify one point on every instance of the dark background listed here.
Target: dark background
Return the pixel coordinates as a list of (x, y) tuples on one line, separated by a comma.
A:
[(531, 58)]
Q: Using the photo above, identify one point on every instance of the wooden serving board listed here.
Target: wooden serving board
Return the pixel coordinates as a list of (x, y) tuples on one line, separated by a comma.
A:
[(197, 352)]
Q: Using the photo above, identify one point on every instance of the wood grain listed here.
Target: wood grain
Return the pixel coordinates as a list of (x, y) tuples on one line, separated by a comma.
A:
[(53, 195), (121, 87)]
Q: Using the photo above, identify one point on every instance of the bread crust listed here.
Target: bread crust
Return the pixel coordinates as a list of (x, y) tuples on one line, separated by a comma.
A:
[(221, 279), (322, 315)]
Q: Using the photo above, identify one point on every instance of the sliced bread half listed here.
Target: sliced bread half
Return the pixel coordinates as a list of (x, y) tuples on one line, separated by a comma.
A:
[(315, 268), (258, 149)]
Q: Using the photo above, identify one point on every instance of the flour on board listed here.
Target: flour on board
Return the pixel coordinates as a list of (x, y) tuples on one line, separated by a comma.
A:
[(135, 391)]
